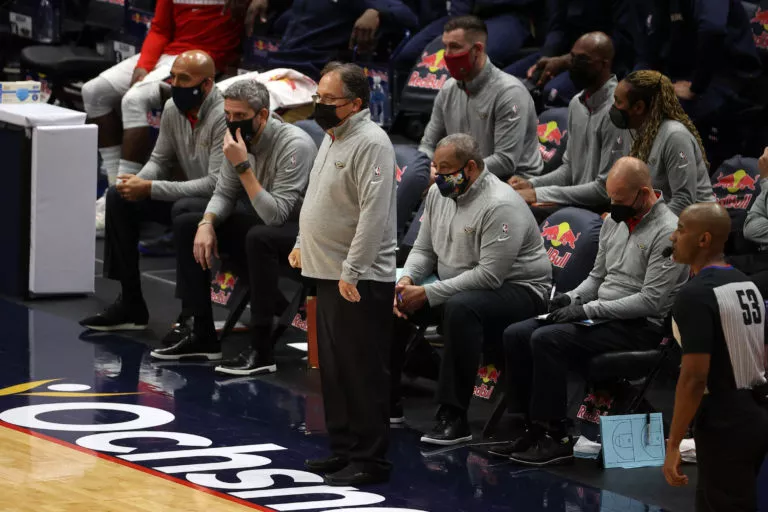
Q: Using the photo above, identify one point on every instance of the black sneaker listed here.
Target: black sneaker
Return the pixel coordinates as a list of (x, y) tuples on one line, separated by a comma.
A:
[(330, 464), (357, 475), (191, 347), (546, 451), (396, 416), (119, 317), (158, 247), (520, 444), (180, 330), (448, 431), (250, 362)]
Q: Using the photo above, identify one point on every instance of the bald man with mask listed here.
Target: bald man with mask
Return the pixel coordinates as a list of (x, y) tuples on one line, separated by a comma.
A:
[(719, 320), (191, 134), (628, 294)]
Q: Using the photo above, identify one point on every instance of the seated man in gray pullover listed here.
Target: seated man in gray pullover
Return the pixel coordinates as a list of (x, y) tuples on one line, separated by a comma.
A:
[(755, 229), (484, 245), (483, 101), (664, 137), (253, 217), (191, 131), (594, 142), (631, 289)]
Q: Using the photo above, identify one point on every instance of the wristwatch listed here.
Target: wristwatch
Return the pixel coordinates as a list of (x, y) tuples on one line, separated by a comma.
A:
[(242, 167)]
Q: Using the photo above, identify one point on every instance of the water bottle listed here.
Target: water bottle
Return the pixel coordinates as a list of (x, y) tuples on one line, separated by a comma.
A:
[(378, 100), (47, 22)]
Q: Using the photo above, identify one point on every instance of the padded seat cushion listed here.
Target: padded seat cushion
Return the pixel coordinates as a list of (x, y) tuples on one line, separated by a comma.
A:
[(622, 365), (64, 62)]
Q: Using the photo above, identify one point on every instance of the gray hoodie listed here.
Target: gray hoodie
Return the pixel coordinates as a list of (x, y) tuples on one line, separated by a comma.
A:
[(484, 238), (497, 110), (347, 222), (198, 151), (756, 223)]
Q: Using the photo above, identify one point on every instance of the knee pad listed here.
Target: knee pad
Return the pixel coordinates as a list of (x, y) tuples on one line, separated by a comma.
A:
[(99, 97), (138, 102)]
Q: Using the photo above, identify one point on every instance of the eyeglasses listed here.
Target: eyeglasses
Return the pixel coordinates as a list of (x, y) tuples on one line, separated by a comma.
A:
[(327, 99)]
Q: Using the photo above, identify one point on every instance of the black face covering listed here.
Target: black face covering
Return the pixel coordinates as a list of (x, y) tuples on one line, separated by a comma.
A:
[(188, 98), (247, 131), (326, 116), (582, 76), (619, 118), (623, 212)]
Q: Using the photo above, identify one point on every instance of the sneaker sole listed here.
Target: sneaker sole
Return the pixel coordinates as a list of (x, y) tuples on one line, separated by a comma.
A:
[(397, 421), (256, 371), (446, 442), (568, 459), (118, 327), (165, 357)]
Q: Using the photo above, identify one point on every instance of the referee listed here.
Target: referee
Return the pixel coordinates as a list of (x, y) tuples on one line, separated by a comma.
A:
[(719, 320)]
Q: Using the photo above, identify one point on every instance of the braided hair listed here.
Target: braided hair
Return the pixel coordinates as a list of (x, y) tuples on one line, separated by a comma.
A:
[(658, 94)]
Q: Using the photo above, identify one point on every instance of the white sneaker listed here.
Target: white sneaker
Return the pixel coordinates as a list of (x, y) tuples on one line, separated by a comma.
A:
[(101, 209)]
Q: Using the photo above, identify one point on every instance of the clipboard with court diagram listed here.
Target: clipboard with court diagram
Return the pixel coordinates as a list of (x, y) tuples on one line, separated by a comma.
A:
[(633, 440)]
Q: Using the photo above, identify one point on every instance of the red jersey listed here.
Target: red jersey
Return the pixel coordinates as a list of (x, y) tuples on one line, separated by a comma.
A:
[(183, 25)]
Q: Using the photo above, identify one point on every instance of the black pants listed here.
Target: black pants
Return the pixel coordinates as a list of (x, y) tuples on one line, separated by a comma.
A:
[(123, 221), (257, 251), (472, 322), (539, 356), (353, 344), (731, 434)]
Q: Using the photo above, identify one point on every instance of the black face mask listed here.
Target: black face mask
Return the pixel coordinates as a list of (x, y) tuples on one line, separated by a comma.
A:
[(247, 131), (453, 185), (623, 212), (582, 76), (619, 118), (326, 117), (188, 98)]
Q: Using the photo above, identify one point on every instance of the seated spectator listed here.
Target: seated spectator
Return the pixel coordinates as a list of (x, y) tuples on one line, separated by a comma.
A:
[(480, 99), (191, 132), (124, 135), (756, 231), (568, 20), (508, 23), (253, 217), (706, 47), (318, 30), (483, 243), (594, 144), (665, 139), (631, 287)]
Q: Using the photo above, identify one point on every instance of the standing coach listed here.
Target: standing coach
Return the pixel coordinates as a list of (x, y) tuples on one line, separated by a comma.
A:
[(347, 244)]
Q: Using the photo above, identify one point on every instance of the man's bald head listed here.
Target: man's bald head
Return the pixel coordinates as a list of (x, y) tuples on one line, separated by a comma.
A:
[(629, 174), (596, 45), (195, 64), (709, 218)]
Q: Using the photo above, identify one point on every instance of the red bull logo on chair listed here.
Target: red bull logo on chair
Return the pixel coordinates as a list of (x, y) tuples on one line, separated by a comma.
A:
[(437, 71), (761, 18), (559, 236), (735, 184), (487, 379), (222, 287)]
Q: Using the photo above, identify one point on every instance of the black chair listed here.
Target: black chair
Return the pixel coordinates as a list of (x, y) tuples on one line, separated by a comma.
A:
[(66, 64), (736, 184)]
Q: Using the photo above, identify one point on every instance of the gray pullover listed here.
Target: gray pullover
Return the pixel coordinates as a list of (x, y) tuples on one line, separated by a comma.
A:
[(631, 278), (484, 238), (594, 145), (677, 167), (198, 151), (281, 159), (756, 223), (497, 110), (347, 223)]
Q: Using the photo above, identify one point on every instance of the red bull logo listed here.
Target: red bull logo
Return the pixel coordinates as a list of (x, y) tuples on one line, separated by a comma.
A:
[(560, 235), (740, 180), (433, 62), (549, 132), (761, 39), (489, 378), (222, 287), (734, 202)]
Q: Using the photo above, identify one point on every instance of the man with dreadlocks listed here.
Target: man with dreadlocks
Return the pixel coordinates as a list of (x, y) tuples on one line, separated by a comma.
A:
[(664, 137)]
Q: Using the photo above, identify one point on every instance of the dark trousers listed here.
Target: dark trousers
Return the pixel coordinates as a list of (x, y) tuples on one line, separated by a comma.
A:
[(123, 221), (353, 344), (731, 433), (473, 323), (539, 356), (256, 250), (755, 266)]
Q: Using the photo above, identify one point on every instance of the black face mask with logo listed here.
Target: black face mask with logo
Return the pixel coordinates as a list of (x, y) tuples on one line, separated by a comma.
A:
[(187, 99)]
